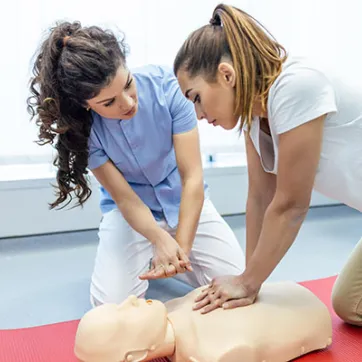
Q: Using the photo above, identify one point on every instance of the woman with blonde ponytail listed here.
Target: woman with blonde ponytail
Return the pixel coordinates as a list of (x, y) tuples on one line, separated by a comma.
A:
[(303, 131)]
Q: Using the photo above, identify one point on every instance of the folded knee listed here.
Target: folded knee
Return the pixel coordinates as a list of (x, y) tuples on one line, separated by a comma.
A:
[(95, 302), (347, 290), (116, 295), (348, 306)]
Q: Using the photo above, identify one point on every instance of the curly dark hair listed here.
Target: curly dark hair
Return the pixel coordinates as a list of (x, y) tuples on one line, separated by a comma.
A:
[(73, 64)]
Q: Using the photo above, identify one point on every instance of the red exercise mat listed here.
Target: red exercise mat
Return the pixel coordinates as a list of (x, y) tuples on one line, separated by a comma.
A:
[(346, 340), (54, 342)]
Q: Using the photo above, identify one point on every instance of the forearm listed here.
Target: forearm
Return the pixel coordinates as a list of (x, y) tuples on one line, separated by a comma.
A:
[(192, 200), (133, 209), (255, 211), (140, 218), (280, 228)]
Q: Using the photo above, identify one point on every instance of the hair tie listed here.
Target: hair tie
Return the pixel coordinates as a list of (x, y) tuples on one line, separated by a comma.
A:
[(65, 40), (215, 20), (48, 99)]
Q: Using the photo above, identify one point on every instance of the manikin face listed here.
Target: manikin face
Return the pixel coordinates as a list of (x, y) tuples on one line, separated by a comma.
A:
[(112, 333), (213, 101), (119, 99)]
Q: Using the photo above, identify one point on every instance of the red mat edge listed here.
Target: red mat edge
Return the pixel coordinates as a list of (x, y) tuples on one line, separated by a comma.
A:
[(68, 328)]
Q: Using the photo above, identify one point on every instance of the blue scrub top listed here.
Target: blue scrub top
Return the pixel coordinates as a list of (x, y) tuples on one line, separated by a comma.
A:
[(142, 147)]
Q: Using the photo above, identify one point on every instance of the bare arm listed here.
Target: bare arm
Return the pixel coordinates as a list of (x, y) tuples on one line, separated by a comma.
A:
[(133, 209), (188, 157), (260, 193), (299, 153)]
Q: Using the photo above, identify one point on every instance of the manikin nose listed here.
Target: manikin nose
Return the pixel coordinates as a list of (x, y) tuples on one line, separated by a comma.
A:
[(134, 300)]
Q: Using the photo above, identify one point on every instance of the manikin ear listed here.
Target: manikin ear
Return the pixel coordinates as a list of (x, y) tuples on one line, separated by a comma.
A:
[(226, 73), (136, 356)]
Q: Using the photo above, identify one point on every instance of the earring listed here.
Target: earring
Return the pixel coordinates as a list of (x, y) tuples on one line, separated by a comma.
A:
[(88, 108)]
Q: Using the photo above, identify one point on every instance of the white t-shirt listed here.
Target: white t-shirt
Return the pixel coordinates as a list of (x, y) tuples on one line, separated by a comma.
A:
[(300, 94)]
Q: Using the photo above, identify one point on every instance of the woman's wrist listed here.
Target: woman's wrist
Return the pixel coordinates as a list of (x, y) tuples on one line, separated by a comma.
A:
[(185, 246), (156, 234), (251, 284)]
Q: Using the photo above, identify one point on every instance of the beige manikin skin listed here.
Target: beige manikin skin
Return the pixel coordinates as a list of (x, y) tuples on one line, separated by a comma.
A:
[(285, 322)]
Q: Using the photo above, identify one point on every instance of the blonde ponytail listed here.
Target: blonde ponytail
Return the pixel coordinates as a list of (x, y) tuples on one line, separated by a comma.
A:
[(257, 57)]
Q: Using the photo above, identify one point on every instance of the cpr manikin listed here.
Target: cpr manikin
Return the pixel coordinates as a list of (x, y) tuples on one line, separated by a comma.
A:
[(285, 322)]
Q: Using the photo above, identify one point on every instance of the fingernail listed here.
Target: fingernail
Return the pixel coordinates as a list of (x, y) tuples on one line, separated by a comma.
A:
[(225, 305)]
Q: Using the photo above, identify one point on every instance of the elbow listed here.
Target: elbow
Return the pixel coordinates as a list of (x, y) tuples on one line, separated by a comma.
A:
[(292, 209), (298, 213), (195, 186), (199, 190)]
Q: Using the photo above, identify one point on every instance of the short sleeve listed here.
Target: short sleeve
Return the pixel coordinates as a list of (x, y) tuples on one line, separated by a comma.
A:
[(298, 97), (181, 109), (97, 156)]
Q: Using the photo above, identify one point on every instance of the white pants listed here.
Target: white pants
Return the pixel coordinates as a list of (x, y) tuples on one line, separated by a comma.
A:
[(123, 254)]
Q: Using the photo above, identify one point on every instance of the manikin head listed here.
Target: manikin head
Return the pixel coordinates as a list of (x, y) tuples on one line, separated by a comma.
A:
[(125, 332)]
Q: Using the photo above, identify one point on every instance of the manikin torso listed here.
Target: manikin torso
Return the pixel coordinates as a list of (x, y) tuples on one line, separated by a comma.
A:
[(286, 322)]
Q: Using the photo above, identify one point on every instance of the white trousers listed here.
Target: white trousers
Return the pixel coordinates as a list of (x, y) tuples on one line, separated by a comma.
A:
[(123, 254)]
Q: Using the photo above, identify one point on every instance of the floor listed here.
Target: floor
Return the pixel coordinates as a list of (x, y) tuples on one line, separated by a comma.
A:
[(45, 279)]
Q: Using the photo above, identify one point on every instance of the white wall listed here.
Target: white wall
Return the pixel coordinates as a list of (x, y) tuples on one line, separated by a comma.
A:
[(24, 202), (329, 30), (154, 30)]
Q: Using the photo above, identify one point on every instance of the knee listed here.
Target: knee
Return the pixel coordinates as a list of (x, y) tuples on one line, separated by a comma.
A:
[(95, 302), (347, 290), (116, 292), (347, 304)]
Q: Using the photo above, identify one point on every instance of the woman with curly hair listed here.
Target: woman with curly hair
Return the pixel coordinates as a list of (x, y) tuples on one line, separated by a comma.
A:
[(138, 135)]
